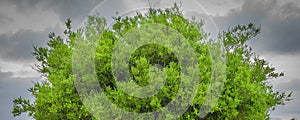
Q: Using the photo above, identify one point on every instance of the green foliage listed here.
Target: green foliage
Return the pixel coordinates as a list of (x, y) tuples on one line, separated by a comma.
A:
[(246, 94), (55, 97)]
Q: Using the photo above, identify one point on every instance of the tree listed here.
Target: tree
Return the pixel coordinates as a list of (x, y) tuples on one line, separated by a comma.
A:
[(246, 94)]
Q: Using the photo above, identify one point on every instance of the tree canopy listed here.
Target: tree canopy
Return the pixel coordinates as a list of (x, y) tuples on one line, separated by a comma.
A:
[(245, 89)]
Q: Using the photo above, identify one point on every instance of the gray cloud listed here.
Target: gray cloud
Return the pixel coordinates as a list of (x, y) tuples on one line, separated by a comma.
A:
[(291, 109), (287, 86), (74, 9), (4, 19), (8, 93), (280, 24), (19, 46)]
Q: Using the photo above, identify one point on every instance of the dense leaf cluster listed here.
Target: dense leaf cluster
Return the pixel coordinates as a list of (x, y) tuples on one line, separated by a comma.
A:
[(246, 94)]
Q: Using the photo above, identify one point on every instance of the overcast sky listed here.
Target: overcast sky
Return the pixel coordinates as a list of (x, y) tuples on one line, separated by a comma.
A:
[(27, 22)]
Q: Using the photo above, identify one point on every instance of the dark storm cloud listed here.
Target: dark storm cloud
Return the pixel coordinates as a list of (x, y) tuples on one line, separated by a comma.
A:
[(19, 46), (4, 19), (74, 9), (8, 93), (280, 24)]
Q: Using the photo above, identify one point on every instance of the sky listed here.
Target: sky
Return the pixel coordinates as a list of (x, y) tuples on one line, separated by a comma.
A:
[(24, 23)]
